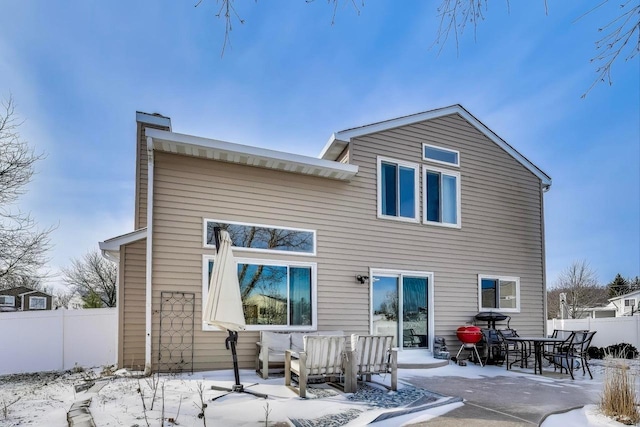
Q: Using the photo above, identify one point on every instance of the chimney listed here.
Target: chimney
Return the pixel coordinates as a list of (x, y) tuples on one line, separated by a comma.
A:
[(144, 120)]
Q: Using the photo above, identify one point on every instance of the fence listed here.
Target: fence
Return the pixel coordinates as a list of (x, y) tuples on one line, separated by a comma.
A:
[(54, 340), (611, 330)]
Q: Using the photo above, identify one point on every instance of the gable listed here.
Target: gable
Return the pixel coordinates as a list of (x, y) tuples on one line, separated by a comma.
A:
[(340, 141)]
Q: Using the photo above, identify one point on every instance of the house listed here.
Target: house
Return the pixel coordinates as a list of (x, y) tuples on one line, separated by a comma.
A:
[(415, 222), (24, 299), (622, 305)]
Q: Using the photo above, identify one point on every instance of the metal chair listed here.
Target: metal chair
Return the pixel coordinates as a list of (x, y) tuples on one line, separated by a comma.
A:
[(518, 350)]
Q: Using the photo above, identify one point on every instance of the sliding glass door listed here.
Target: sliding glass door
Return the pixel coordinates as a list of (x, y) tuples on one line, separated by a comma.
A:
[(400, 307)]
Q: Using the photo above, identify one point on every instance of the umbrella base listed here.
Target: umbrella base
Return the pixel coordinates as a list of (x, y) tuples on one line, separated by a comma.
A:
[(237, 388)]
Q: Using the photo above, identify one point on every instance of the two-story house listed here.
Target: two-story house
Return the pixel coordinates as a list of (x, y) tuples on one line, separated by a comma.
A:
[(414, 223)]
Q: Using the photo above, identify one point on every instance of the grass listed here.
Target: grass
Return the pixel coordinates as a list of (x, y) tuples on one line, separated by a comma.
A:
[(619, 400)]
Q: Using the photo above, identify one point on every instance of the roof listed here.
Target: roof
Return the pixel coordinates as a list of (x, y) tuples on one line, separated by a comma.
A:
[(214, 149), (22, 290), (111, 247), (627, 295), (339, 141)]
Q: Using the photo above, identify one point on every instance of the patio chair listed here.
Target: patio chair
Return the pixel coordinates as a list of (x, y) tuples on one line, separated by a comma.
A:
[(373, 354), (559, 354), (410, 338), (575, 354), (322, 358), (519, 351)]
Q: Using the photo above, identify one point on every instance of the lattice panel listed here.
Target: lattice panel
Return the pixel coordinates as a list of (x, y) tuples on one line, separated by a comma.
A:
[(177, 321)]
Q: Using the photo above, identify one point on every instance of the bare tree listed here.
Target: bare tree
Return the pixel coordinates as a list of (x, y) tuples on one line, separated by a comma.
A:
[(23, 247), (93, 275), (63, 298), (580, 284), (619, 37)]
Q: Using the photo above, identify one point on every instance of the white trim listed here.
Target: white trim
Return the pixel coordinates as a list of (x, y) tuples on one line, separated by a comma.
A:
[(346, 136), (258, 250), (427, 159), (456, 174), (110, 248), (430, 300), (273, 262), (499, 278), (153, 119), (31, 298), (250, 156), (4, 304), (149, 266), (416, 189)]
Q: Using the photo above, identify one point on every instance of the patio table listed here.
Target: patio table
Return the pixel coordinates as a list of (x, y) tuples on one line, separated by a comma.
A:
[(538, 345)]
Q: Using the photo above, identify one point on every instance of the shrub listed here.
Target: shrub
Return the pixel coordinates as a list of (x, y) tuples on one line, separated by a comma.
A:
[(596, 352), (618, 396), (622, 351)]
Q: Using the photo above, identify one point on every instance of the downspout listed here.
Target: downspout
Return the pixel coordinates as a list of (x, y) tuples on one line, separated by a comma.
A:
[(149, 266), (545, 188)]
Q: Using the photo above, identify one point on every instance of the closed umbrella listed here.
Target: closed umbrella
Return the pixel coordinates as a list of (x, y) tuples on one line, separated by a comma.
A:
[(224, 303)]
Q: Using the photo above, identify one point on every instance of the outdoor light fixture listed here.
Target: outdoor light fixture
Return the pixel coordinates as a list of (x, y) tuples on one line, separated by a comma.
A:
[(362, 279)]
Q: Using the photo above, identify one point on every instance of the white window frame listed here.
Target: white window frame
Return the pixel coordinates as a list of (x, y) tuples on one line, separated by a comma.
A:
[(633, 302), (282, 263), (205, 221), (428, 159), (8, 298), (416, 189), (37, 298), (499, 278), (458, 224)]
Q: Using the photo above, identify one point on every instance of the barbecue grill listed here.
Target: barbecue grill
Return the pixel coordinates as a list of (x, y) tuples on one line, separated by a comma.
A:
[(492, 344)]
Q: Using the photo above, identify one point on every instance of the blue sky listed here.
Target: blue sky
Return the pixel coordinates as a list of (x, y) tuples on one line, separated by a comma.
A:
[(79, 70)]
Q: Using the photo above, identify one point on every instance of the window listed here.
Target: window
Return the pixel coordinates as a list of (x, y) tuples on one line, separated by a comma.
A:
[(440, 155), (275, 294), (7, 300), (397, 190), (441, 197), (37, 303), (502, 293), (263, 238), (629, 302)]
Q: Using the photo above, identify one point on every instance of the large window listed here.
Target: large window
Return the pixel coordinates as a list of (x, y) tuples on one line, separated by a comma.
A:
[(441, 197), (499, 292), (263, 238), (440, 155), (397, 189), (275, 295), (7, 300), (37, 303)]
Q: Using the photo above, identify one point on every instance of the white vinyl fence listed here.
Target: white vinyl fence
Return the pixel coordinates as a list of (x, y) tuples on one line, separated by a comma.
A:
[(611, 330), (55, 340)]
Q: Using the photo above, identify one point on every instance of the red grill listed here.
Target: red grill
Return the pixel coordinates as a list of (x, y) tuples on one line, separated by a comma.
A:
[(469, 334)]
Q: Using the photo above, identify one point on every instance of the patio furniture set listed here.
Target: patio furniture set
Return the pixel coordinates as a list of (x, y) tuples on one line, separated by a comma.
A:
[(329, 356), (565, 350)]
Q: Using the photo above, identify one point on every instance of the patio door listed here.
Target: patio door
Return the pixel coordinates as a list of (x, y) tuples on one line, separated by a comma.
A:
[(400, 306)]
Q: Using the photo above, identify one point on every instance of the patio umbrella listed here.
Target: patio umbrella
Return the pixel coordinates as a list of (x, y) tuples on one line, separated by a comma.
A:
[(224, 303)]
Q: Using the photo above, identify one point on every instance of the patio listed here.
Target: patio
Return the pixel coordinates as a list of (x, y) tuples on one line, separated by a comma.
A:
[(444, 396)]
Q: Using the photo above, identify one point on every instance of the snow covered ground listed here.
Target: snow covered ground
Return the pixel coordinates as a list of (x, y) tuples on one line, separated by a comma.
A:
[(44, 399)]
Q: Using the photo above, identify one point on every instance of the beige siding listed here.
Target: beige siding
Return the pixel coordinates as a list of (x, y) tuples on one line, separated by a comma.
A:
[(501, 231), (131, 351), (140, 215)]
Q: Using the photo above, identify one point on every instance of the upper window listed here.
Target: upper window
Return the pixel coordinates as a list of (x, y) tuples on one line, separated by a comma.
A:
[(502, 293), (7, 300), (629, 302), (440, 155), (441, 197), (263, 238), (397, 189), (275, 295), (37, 303)]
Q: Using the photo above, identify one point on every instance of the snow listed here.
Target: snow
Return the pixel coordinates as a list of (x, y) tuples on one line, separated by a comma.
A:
[(44, 399)]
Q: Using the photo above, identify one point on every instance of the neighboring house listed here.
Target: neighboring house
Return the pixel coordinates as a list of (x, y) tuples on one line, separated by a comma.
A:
[(75, 302), (417, 222), (622, 305), (24, 299)]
